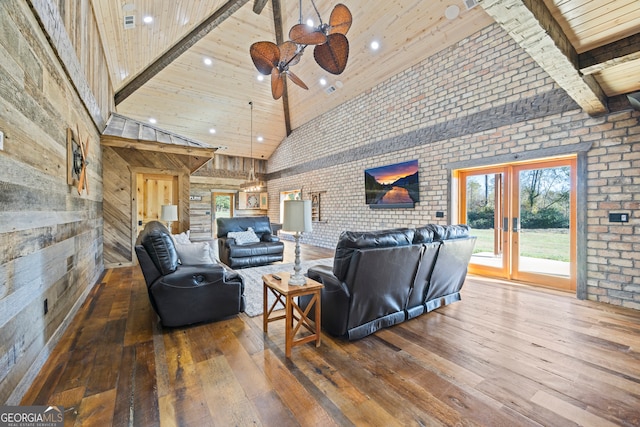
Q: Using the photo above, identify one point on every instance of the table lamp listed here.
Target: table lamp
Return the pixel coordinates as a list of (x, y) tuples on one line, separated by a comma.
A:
[(297, 219), (169, 213)]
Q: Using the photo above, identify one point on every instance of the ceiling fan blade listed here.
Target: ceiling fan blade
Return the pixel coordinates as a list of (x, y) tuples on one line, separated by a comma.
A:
[(340, 19), (304, 34), (277, 84), (332, 56), (297, 80), (265, 56), (289, 53)]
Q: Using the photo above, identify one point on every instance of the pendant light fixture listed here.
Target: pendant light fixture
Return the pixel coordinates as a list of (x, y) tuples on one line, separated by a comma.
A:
[(252, 185)]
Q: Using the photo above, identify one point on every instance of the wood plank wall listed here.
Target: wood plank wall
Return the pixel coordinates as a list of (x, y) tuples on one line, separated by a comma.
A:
[(82, 28), (120, 197), (50, 237), (224, 173)]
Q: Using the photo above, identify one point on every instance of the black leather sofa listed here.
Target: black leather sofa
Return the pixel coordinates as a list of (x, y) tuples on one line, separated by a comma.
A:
[(185, 294), (383, 278), (268, 249)]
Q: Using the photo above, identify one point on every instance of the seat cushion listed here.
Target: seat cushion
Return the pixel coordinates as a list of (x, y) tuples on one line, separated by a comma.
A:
[(256, 249)]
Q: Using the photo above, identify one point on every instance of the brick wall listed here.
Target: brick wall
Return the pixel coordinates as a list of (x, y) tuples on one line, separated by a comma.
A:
[(480, 99)]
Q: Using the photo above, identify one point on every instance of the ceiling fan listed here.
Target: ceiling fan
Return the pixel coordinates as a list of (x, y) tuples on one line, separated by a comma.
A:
[(331, 50)]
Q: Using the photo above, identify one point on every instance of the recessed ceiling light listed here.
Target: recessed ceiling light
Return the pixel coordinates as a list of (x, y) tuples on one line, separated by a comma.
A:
[(212, 131), (147, 19), (260, 139), (323, 81), (260, 77), (207, 61), (375, 45), (152, 121), (452, 12), (310, 23)]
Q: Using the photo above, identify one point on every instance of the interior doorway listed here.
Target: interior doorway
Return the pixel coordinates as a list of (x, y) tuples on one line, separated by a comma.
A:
[(153, 191), (524, 216)]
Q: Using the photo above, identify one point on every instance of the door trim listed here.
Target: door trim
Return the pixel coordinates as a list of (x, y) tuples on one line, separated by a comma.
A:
[(577, 162)]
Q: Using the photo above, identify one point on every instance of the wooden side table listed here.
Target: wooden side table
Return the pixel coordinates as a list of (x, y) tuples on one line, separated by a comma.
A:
[(281, 289)]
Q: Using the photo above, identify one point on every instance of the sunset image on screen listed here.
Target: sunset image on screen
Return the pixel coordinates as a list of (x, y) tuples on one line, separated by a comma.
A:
[(393, 185)]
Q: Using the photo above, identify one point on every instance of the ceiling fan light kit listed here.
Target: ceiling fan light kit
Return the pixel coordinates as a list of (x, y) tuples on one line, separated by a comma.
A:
[(331, 50)]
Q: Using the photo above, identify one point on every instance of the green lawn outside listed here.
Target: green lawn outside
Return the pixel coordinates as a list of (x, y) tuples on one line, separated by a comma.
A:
[(533, 243)]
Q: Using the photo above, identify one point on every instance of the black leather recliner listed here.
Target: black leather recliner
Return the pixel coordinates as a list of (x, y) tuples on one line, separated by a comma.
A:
[(180, 294), (269, 249), (382, 278)]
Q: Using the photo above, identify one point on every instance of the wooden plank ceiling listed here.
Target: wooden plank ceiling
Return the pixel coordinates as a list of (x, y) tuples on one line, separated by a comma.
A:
[(188, 97)]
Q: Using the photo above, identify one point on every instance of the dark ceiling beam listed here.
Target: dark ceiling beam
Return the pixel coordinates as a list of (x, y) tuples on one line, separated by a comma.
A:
[(184, 44), (601, 58), (258, 5), (533, 27), (277, 20)]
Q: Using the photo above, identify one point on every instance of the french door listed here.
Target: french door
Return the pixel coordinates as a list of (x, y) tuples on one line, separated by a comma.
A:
[(524, 216)]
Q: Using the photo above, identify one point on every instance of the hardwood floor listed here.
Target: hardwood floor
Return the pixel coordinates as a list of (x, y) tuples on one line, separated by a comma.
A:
[(505, 355)]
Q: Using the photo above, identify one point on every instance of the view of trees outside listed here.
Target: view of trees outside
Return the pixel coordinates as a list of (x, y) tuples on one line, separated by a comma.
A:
[(544, 211), (223, 206)]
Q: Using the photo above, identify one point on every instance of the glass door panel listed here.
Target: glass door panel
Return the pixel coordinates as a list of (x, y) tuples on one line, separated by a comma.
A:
[(543, 218), (222, 208), (484, 210)]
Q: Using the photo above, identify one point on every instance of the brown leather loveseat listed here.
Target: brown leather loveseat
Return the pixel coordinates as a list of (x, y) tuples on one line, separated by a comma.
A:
[(382, 278)]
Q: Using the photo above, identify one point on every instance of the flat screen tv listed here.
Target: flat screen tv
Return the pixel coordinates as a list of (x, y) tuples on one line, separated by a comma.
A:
[(392, 186)]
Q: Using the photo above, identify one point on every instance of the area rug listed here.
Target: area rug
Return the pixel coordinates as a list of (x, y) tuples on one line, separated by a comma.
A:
[(253, 282)]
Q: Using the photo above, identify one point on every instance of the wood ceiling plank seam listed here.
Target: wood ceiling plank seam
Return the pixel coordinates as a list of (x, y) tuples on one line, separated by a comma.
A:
[(605, 19)]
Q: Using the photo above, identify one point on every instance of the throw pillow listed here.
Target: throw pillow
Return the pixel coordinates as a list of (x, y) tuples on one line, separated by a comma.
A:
[(182, 238), (244, 237), (194, 253)]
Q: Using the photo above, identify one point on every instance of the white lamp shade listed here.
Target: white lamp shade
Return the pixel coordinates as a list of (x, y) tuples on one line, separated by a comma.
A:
[(169, 213), (297, 216)]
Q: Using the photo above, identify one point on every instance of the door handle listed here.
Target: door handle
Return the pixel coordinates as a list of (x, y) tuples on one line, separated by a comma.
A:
[(515, 225), (505, 224)]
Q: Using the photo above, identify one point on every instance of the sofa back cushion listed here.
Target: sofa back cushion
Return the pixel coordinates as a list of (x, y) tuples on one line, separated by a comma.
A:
[(157, 241), (443, 232), (351, 241), (379, 282), (260, 225)]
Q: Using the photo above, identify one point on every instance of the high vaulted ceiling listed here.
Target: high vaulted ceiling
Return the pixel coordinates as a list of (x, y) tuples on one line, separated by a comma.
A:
[(591, 47)]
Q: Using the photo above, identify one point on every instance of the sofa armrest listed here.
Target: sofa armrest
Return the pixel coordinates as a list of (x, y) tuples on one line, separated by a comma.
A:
[(270, 238), (228, 241), (335, 299), (324, 275), (198, 293)]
